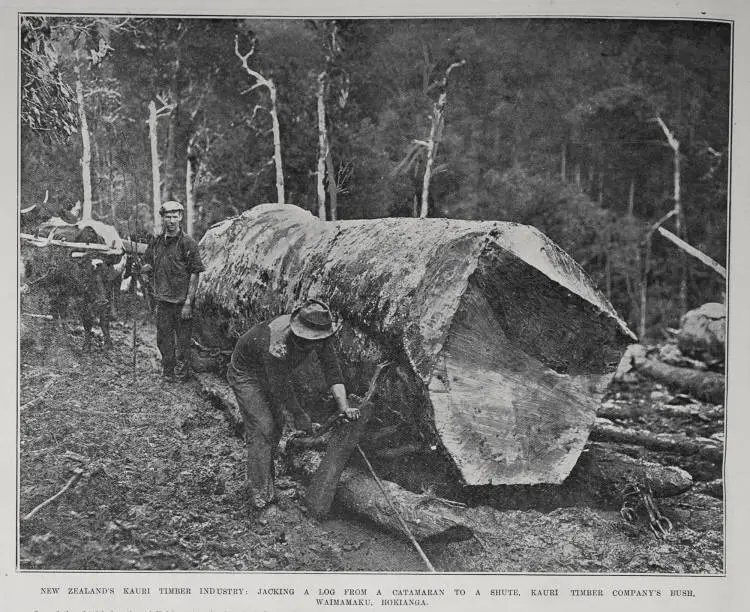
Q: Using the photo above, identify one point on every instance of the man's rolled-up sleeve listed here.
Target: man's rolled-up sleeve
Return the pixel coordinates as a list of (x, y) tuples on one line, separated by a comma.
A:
[(330, 364)]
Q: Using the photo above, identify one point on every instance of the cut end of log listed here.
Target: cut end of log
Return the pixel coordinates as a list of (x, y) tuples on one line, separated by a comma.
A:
[(520, 377)]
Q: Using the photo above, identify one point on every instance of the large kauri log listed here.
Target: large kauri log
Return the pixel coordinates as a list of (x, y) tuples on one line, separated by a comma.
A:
[(501, 342)]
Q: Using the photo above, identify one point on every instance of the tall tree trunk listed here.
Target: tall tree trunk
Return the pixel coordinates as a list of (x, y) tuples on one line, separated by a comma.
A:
[(681, 232), (678, 210), (332, 186), (608, 262), (432, 144), (646, 269), (268, 84), (436, 130), (277, 145), (564, 162), (322, 147), (578, 175), (167, 186), (189, 195), (112, 194), (631, 198), (86, 154), (155, 179)]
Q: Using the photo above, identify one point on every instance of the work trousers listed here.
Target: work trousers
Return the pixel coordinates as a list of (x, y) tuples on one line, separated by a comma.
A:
[(173, 338), (264, 422)]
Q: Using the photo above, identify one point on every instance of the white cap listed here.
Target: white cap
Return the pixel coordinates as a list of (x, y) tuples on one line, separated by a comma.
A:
[(171, 206)]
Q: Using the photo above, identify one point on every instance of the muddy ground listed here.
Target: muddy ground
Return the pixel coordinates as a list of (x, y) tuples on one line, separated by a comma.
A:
[(156, 483)]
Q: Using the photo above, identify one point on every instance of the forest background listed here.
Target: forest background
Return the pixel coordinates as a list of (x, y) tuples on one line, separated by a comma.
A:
[(590, 130)]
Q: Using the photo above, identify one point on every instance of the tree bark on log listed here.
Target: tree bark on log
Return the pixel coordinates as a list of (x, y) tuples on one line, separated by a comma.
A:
[(508, 397), (606, 431)]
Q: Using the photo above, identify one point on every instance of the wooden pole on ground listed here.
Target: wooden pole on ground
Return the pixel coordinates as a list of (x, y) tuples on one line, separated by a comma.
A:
[(323, 485)]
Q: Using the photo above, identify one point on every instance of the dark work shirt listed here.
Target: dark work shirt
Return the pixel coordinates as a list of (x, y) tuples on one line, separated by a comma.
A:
[(268, 354), (174, 259)]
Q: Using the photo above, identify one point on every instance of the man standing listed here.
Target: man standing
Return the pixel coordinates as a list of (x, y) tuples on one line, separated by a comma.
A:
[(175, 262), (260, 375)]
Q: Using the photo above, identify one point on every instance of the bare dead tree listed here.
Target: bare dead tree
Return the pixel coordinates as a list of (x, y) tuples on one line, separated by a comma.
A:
[(436, 132), (261, 81), (647, 269), (679, 213), (325, 167), (86, 152), (322, 146), (190, 169), (153, 116)]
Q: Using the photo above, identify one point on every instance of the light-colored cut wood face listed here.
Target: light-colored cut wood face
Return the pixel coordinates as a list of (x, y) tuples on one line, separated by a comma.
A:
[(503, 415)]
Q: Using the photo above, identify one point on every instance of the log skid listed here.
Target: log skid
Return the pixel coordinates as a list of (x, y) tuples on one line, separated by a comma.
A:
[(502, 344), (709, 448)]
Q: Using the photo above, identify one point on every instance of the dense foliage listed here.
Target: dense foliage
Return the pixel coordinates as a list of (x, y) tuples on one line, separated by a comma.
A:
[(549, 122)]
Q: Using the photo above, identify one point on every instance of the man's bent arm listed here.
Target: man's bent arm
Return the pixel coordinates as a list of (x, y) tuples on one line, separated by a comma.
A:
[(187, 308)]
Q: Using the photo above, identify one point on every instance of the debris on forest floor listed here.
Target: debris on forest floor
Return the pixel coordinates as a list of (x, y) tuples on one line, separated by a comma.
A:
[(648, 362), (170, 493)]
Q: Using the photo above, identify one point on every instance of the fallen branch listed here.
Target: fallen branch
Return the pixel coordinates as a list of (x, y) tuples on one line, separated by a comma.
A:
[(47, 387), (71, 482), (691, 250), (38, 316)]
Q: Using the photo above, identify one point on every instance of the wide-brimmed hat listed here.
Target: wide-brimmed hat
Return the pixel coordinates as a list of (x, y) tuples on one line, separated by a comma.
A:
[(313, 321)]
